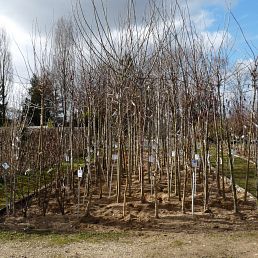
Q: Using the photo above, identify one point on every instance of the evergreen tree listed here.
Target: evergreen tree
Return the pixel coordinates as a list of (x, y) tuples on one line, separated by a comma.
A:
[(32, 103)]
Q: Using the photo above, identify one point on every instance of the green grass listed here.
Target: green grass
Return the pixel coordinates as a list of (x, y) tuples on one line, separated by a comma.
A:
[(58, 239), (22, 187), (240, 168)]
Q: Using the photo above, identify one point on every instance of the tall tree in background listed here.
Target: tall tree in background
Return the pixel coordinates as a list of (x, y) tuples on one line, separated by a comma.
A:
[(63, 63), (5, 74), (33, 102)]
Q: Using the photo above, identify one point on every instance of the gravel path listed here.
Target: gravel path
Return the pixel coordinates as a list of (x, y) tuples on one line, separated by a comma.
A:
[(148, 244)]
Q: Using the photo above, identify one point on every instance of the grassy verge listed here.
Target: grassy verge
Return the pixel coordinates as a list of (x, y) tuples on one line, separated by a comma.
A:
[(27, 184), (240, 168), (58, 239)]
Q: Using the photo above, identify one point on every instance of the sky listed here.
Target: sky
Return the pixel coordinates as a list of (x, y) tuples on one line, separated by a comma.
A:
[(20, 17)]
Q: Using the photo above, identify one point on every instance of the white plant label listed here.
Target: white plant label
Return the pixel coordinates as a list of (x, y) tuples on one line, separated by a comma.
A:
[(114, 157), (197, 157), (27, 171), (194, 163), (66, 158), (152, 159), (80, 172), (154, 146), (5, 165), (173, 153), (220, 161), (115, 145)]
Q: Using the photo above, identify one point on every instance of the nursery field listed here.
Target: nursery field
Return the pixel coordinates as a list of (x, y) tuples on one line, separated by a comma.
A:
[(112, 229), (134, 138), (27, 183)]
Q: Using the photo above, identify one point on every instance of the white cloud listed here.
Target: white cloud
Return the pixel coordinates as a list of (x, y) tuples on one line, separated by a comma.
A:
[(22, 53), (216, 39), (195, 4), (17, 16), (203, 20), (18, 38), (13, 29)]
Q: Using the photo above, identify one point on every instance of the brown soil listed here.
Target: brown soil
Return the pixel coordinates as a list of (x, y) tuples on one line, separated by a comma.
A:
[(217, 233)]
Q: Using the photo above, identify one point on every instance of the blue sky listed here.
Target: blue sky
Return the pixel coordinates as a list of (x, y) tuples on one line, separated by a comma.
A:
[(246, 13), (18, 16)]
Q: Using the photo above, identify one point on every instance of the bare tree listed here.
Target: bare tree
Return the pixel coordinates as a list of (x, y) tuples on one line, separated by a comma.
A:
[(5, 74)]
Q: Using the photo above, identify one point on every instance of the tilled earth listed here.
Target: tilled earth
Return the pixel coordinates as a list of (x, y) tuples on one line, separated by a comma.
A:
[(217, 233)]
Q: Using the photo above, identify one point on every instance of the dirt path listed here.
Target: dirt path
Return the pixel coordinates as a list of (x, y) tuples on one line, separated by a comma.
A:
[(139, 244)]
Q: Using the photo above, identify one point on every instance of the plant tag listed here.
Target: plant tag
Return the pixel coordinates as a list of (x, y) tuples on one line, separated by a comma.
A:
[(5, 165), (173, 153), (66, 157), (194, 163), (114, 157), (152, 159), (220, 161), (115, 145), (27, 172), (154, 146), (80, 172), (197, 157)]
